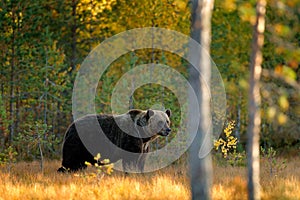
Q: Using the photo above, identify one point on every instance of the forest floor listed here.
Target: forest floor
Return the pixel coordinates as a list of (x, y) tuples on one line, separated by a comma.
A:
[(26, 181)]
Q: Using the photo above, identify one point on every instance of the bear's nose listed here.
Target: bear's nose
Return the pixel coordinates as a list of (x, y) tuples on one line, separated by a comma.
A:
[(168, 130)]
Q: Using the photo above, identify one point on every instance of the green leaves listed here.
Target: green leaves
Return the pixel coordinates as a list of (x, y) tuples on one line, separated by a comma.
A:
[(44, 42)]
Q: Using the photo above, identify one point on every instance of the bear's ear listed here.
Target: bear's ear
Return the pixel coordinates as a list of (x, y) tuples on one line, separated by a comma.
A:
[(149, 114), (169, 113), (134, 112)]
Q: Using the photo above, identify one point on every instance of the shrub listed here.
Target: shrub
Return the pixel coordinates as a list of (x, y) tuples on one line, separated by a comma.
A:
[(103, 167), (227, 147)]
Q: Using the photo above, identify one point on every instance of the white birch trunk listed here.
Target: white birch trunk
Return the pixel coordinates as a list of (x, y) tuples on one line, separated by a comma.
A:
[(254, 103), (201, 166)]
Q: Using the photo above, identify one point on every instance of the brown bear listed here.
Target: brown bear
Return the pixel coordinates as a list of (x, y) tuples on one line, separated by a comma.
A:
[(126, 136)]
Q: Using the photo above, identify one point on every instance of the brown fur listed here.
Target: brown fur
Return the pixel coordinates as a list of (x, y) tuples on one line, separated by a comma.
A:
[(143, 126)]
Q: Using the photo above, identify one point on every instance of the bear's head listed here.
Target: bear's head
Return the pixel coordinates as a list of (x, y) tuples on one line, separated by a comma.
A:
[(151, 122), (159, 121)]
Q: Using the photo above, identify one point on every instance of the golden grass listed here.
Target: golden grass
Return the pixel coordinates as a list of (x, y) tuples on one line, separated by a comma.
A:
[(25, 181)]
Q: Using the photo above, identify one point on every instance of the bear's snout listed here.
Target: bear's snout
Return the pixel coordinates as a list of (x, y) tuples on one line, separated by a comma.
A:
[(165, 132)]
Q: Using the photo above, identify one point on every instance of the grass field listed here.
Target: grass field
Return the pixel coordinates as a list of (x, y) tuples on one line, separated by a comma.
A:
[(26, 181)]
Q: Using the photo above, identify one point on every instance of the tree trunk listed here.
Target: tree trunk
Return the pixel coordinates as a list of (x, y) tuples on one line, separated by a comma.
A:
[(4, 134), (73, 36), (254, 102), (12, 79), (201, 167), (238, 118)]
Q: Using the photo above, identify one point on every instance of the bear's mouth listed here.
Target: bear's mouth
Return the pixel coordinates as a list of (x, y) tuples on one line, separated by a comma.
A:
[(165, 132)]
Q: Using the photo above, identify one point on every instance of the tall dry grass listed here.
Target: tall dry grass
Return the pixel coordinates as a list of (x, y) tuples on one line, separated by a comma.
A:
[(25, 181)]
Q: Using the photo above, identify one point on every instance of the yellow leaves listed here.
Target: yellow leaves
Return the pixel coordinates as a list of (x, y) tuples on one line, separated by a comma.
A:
[(230, 141), (282, 118), (282, 29), (109, 169), (97, 157), (244, 83), (276, 114), (285, 71), (105, 161), (94, 7), (291, 3), (103, 167), (283, 102), (289, 73), (271, 112), (218, 143), (229, 5), (180, 4), (229, 128), (247, 12)]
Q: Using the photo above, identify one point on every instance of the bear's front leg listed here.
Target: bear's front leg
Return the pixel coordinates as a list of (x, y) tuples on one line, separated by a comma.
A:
[(141, 162), (134, 163)]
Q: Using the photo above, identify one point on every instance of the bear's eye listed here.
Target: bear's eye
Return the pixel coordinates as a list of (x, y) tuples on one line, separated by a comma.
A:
[(160, 123)]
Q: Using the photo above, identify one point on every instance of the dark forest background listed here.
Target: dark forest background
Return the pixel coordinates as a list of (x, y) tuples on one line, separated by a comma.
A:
[(42, 45)]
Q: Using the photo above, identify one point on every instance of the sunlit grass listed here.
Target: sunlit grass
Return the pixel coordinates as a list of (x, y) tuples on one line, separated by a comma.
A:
[(26, 181)]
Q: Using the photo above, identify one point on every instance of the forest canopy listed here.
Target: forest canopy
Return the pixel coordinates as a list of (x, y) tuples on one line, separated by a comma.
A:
[(43, 44)]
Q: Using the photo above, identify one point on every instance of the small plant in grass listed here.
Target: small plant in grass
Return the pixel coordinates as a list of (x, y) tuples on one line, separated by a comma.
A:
[(227, 147), (35, 141), (8, 157), (237, 158), (229, 142), (103, 167), (269, 155)]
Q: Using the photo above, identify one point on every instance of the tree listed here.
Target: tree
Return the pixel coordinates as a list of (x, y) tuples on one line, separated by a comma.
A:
[(201, 167), (254, 102)]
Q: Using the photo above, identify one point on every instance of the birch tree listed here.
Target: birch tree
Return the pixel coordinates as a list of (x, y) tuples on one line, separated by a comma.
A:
[(254, 102), (201, 167)]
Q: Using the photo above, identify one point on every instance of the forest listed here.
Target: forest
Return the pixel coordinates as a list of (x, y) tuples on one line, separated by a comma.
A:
[(44, 44)]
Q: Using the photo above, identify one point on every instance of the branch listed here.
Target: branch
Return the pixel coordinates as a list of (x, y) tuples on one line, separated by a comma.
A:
[(270, 74)]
